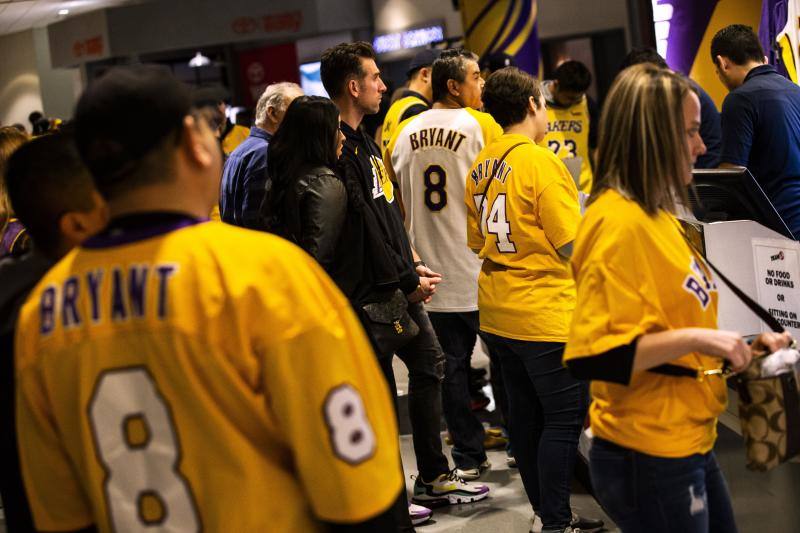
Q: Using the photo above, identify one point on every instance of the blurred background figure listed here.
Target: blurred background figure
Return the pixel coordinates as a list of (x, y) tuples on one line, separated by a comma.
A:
[(13, 236)]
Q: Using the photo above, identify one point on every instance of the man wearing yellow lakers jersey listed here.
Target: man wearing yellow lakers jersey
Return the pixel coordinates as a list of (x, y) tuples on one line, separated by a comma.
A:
[(646, 299), (570, 114), (429, 156), (184, 375), (415, 99), (522, 217)]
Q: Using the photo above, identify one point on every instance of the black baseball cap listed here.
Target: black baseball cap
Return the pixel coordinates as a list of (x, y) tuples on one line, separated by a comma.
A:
[(497, 60), (424, 58), (126, 113)]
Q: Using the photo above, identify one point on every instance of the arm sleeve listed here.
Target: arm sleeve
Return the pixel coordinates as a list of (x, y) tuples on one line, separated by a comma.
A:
[(56, 498), (322, 213), (475, 239), (610, 311), (614, 365), (559, 209), (738, 124), (330, 400)]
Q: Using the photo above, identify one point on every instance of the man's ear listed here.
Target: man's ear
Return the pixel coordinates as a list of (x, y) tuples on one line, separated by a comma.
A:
[(452, 88), (532, 103), (722, 63), (192, 141), (425, 74), (353, 87)]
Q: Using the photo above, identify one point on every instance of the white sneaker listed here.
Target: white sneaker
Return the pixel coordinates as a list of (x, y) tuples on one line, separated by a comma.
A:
[(448, 489), (471, 474), (419, 514)]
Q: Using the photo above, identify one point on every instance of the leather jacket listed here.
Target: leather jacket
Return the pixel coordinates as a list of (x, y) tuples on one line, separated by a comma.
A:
[(315, 209)]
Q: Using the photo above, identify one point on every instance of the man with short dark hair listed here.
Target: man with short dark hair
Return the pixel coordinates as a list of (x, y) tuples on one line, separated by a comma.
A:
[(760, 119), (413, 100), (244, 176), (207, 377), (352, 78), (710, 128), (571, 119), (429, 157), (53, 195)]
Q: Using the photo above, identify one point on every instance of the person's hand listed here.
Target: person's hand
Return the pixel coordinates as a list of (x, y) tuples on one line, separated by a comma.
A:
[(727, 345), (424, 291), (770, 342), (424, 272)]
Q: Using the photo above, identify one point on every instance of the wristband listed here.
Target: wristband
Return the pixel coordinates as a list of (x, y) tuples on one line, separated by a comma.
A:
[(420, 264)]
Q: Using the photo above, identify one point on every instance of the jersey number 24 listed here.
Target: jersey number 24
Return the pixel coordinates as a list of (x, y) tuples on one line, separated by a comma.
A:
[(496, 222)]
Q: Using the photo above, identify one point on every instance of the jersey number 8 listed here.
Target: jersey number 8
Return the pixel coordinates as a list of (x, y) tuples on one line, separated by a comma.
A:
[(135, 440), (435, 193)]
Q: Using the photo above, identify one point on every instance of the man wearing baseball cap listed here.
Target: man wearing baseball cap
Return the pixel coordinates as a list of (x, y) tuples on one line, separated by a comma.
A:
[(415, 99)]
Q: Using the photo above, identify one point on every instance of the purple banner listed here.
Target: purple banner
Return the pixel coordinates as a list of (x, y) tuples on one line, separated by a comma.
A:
[(773, 19), (682, 24)]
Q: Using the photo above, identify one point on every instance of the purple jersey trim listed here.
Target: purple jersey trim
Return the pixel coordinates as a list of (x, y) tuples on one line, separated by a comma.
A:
[(119, 236), (14, 231)]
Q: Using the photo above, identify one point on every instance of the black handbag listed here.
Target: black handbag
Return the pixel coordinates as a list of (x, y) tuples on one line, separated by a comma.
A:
[(390, 324)]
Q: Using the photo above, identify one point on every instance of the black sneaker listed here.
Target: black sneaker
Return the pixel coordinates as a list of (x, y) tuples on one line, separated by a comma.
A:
[(586, 525)]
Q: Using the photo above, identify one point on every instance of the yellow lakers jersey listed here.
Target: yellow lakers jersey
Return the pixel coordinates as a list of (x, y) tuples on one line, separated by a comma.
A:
[(636, 275), (529, 210), (568, 138), (204, 378), (395, 113), (234, 138), (431, 155)]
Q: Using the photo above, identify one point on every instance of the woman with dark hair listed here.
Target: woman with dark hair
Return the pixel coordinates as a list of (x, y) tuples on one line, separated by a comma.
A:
[(306, 202)]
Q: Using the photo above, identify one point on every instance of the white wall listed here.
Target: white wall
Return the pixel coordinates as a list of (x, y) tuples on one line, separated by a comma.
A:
[(395, 15), (60, 87), (19, 78)]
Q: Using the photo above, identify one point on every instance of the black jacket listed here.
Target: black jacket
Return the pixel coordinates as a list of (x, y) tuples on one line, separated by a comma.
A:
[(316, 207), (361, 163), (19, 275)]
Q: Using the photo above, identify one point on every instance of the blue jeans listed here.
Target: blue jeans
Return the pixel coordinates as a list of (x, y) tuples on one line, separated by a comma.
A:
[(457, 333), (424, 359), (643, 493), (546, 411)]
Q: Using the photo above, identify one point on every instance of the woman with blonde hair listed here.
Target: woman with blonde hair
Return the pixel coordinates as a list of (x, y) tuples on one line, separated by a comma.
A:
[(646, 299), (13, 236)]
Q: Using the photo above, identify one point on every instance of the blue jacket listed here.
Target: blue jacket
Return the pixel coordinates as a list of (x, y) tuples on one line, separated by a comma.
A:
[(244, 179)]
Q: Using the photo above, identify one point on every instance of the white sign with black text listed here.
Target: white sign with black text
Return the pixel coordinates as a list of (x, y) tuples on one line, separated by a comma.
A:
[(777, 265)]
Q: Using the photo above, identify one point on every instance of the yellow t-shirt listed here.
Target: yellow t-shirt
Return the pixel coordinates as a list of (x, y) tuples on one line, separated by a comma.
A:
[(394, 114), (525, 289), (568, 137), (234, 138), (636, 275), (183, 377)]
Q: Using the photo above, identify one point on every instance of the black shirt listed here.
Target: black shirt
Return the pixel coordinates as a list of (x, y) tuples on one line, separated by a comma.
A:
[(362, 157), (19, 275)]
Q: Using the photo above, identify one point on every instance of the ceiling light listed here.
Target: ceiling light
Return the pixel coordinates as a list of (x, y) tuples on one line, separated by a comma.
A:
[(199, 60), (63, 12)]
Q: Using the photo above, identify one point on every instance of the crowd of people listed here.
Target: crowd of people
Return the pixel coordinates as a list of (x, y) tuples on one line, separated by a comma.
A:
[(164, 369)]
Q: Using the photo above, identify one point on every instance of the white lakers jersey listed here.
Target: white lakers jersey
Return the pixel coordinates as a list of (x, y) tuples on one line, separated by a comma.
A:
[(431, 154)]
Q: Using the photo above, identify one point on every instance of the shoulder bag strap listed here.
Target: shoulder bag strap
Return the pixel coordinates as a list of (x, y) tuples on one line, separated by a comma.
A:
[(489, 180), (682, 371)]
